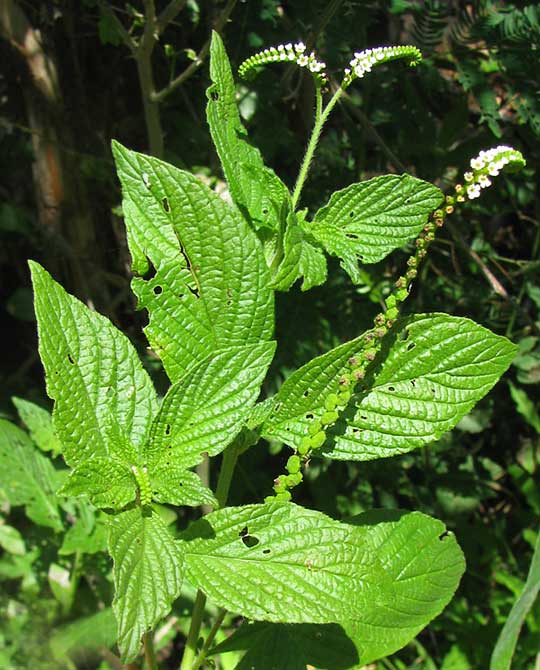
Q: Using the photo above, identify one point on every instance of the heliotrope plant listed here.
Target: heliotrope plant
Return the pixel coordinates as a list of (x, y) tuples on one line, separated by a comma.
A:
[(321, 592)]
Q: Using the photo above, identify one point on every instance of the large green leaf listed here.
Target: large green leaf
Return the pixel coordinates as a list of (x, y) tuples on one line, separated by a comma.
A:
[(211, 286), (434, 368), (28, 477), (383, 579), (423, 564), (366, 221), (39, 423), (206, 410), (147, 575), (503, 652), (93, 374), (257, 190)]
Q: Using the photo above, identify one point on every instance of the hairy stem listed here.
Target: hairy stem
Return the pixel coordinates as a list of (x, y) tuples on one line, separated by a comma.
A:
[(230, 456), (320, 119), (149, 651), (208, 642)]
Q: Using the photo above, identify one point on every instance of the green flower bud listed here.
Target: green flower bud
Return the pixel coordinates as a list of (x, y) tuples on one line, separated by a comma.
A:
[(344, 397), (284, 496), (293, 465), (331, 402), (318, 440), (328, 418), (314, 427)]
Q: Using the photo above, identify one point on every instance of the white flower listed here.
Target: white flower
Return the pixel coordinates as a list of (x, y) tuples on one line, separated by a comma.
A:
[(484, 181), (468, 176), (473, 191), (477, 163)]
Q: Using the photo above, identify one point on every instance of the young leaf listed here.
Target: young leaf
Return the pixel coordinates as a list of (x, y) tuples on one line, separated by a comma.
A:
[(301, 259), (503, 652), (147, 575), (107, 481), (206, 410), (174, 485), (366, 221), (39, 423), (211, 286), (278, 562), (29, 477), (93, 374), (435, 368), (257, 191)]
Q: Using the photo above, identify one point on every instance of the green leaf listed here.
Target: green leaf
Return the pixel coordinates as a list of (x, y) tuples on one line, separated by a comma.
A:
[(525, 406), (211, 286), (366, 221), (11, 540), (89, 633), (39, 423), (29, 478), (278, 562), (174, 485), (423, 565), (93, 374), (301, 259), (147, 575), (291, 646), (88, 534), (434, 369), (257, 191), (107, 481), (206, 410), (503, 652)]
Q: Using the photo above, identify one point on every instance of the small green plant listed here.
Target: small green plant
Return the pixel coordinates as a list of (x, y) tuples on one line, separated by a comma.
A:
[(328, 593)]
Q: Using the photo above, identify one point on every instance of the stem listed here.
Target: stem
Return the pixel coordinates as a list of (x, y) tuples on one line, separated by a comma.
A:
[(208, 642), (149, 651), (320, 119), (230, 456), (194, 630)]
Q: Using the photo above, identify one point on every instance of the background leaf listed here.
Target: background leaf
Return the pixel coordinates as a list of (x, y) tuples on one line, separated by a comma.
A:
[(39, 423), (29, 477), (147, 575), (93, 374), (211, 287), (503, 653), (366, 221)]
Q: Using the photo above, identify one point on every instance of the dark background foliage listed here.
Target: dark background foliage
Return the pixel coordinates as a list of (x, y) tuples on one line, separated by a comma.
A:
[(477, 87)]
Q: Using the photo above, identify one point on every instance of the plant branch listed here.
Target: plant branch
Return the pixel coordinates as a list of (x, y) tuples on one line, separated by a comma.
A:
[(230, 457), (159, 96), (320, 119), (170, 12), (208, 642), (149, 651)]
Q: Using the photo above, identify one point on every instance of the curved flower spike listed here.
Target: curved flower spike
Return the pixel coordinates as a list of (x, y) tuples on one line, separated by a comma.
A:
[(488, 164), (364, 61), (291, 53)]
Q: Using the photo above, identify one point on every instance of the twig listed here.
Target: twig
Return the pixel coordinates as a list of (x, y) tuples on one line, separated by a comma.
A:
[(170, 12), (158, 96)]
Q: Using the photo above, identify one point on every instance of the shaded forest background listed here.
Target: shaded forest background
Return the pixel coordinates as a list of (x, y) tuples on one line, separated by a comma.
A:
[(77, 73)]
